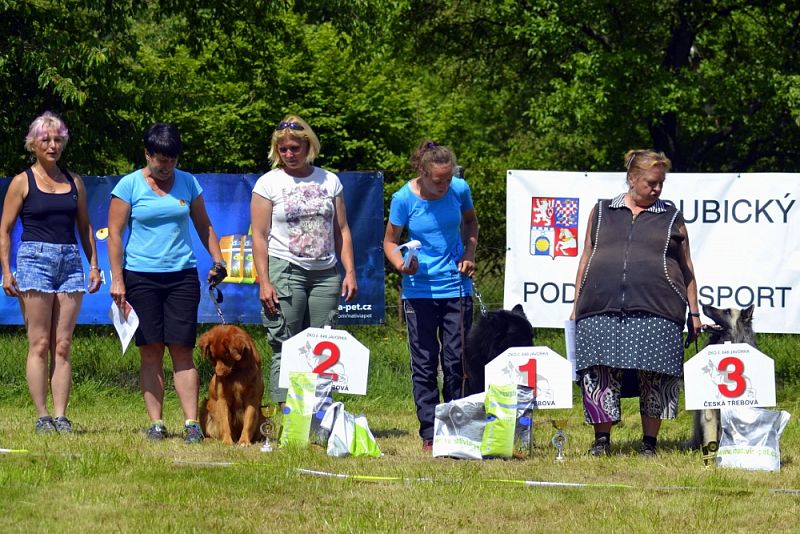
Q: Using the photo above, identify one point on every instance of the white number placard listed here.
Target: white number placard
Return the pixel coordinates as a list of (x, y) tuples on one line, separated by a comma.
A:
[(335, 353), (733, 374), (537, 367)]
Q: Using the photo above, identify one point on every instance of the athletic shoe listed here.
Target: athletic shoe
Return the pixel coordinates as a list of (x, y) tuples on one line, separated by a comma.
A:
[(647, 449), (157, 431), (192, 433), (427, 445), (63, 425), (44, 425), (600, 447)]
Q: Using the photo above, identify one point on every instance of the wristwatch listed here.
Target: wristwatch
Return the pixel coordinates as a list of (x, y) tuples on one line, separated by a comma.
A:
[(219, 264)]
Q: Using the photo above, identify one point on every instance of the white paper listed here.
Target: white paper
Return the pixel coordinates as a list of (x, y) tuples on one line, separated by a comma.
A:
[(411, 251), (569, 337), (125, 327)]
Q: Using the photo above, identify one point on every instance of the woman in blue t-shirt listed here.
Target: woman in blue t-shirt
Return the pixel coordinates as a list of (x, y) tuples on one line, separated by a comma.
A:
[(436, 208), (155, 270)]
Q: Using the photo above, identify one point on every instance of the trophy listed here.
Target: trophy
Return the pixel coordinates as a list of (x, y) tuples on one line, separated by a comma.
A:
[(560, 438)]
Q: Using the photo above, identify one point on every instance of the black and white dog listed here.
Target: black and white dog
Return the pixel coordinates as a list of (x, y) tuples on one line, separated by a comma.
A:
[(736, 326), (494, 332)]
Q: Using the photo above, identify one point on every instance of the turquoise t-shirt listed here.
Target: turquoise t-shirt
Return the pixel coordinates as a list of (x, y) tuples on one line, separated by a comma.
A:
[(437, 225), (158, 227)]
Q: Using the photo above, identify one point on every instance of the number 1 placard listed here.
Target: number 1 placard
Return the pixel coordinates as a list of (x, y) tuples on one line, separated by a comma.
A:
[(328, 352), (539, 368)]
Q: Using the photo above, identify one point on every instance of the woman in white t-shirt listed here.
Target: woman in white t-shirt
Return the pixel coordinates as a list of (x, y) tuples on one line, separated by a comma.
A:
[(299, 229)]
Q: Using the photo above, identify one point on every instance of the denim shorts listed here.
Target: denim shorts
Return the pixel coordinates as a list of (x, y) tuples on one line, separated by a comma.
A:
[(49, 268)]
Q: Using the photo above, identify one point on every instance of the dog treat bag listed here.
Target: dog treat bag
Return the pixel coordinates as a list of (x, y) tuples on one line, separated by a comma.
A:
[(248, 269), (458, 427), (322, 400), (299, 409), (501, 417), (523, 429), (750, 438)]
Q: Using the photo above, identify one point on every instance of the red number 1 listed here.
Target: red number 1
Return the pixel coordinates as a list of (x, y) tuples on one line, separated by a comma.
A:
[(329, 362), (530, 369), (735, 376)]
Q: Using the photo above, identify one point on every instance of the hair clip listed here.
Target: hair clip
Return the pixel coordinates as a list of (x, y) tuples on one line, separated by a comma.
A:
[(630, 161), (430, 145)]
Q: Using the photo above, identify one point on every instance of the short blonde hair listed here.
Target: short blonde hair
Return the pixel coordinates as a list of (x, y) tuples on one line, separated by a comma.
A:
[(46, 121), (293, 126)]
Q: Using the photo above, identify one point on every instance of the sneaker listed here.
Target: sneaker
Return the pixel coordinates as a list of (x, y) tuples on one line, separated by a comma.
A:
[(647, 449), (44, 425), (192, 433), (427, 445), (600, 447), (62, 425), (157, 431)]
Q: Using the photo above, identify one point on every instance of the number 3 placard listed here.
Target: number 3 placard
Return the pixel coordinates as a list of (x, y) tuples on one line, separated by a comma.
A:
[(733, 374), (328, 352)]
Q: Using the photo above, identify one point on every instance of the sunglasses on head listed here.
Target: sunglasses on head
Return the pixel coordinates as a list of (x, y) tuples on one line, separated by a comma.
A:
[(291, 125)]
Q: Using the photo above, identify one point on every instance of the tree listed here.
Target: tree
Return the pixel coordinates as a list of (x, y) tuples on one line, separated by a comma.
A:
[(575, 84), (64, 56)]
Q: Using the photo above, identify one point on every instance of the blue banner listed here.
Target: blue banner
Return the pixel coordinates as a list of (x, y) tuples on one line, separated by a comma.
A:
[(227, 199)]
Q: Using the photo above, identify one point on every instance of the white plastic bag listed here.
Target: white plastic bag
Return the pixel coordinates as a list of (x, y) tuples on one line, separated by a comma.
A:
[(340, 428), (750, 438), (349, 435), (458, 427)]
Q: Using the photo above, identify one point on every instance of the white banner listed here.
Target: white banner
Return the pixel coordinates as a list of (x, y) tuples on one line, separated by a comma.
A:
[(744, 232)]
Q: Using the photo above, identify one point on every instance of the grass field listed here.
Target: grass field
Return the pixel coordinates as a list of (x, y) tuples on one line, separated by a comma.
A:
[(108, 478)]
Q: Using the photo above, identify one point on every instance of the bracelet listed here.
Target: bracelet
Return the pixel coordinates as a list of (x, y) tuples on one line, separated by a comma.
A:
[(694, 314), (94, 268)]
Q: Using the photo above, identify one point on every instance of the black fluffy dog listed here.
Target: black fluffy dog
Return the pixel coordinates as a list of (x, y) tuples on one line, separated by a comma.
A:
[(495, 332)]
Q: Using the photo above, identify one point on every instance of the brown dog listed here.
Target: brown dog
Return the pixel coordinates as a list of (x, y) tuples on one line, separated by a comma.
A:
[(233, 409)]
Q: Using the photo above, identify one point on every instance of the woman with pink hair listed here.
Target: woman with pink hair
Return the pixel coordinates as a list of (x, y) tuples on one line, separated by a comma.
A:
[(49, 280)]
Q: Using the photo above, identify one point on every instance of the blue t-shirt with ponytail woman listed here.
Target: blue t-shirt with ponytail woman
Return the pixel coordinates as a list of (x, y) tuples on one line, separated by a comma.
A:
[(436, 209)]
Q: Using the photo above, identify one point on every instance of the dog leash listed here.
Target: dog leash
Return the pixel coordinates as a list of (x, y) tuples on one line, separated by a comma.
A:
[(216, 299), (484, 311), (478, 296)]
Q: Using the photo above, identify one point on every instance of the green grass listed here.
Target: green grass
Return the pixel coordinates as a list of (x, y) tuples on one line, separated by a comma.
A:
[(107, 477)]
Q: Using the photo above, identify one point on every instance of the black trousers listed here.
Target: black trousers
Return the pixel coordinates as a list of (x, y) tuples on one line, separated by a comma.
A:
[(437, 329)]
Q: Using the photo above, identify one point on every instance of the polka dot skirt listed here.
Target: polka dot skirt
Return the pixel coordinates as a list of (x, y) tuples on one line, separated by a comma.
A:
[(635, 341)]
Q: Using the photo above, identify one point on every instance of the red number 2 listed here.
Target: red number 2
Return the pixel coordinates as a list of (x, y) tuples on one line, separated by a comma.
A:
[(530, 369), (329, 362), (735, 375)]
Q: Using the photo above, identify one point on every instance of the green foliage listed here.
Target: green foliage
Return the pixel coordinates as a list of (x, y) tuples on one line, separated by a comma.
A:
[(568, 85), (64, 56)]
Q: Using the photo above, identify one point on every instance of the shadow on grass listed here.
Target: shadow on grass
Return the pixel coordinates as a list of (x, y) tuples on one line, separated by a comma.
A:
[(390, 433), (631, 446)]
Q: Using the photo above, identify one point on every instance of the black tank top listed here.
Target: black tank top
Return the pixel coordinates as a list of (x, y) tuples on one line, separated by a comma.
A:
[(49, 217)]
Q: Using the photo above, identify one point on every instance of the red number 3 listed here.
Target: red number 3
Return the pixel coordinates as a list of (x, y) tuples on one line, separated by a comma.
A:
[(329, 362), (735, 375)]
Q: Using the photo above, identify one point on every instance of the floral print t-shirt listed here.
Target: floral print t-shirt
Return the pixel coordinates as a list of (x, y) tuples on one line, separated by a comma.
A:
[(303, 211)]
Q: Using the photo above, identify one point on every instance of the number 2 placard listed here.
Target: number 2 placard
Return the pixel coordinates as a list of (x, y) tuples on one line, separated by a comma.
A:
[(327, 352)]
